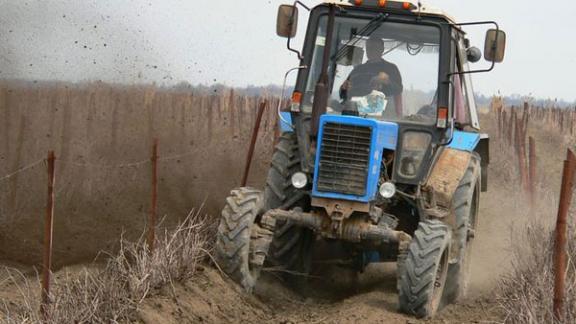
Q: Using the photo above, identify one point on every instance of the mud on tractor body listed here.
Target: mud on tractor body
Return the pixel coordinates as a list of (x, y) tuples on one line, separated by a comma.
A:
[(383, 152)]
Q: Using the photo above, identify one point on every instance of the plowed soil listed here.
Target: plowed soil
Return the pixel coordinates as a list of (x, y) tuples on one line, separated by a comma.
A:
[(95, 130), (336, 295)]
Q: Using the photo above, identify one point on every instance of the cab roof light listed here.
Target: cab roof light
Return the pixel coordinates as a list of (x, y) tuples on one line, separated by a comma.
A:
[(406, 5)]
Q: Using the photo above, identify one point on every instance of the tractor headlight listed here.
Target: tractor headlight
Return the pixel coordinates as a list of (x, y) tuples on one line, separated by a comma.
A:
[(414, 147), (387, 190), (299, 180)]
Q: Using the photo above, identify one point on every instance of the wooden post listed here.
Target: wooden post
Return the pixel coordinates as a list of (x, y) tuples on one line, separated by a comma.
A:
[(561, 233), (498, 111), (504, 128), (154, 202), (521, 155), (48, 231), (511, 126), (532, 166), (253, 143)]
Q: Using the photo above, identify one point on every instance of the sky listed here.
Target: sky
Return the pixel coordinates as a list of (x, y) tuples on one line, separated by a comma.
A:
[(234, 42)]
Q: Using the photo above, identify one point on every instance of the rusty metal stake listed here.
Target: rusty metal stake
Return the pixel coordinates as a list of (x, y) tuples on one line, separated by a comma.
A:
[(253, 143), (48, 230), (154, 202), (561, 233), (532, 166)]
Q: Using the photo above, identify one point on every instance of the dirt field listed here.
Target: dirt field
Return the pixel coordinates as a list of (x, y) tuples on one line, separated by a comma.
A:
[(102, 137), (342, 297)]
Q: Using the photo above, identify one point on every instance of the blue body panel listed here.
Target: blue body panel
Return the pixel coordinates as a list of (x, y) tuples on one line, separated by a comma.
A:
[(384, 136), (286, 117), (464, 141)]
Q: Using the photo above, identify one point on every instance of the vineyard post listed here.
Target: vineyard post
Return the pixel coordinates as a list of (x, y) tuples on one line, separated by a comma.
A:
[(504, 129), (154, 201), (525, 120), (48, 231), (498, 112), (572, 122), (261, 108), (561, 233), (511, 125), (521, 155), (524, 152), (532, 163)]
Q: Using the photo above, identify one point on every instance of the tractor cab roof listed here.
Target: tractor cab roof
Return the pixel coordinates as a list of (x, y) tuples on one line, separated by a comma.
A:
[(424, 10)]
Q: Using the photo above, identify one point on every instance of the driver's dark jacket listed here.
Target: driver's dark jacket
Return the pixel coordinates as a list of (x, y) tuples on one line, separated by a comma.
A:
[(362, 75)]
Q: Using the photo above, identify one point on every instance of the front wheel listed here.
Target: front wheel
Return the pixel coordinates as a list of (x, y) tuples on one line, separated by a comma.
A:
[(422, 275), (291, 247), (465, 203), (243, 237)]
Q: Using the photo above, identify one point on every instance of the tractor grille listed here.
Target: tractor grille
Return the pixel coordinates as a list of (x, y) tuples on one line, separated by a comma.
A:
[(344, 159)]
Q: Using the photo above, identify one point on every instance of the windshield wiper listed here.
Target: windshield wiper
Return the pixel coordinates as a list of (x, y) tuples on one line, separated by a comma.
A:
[(366, 31)]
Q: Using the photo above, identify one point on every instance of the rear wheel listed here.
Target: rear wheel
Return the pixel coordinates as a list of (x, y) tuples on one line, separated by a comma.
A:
[(465, 203), (243, 239), (422, 275), (291, 246)]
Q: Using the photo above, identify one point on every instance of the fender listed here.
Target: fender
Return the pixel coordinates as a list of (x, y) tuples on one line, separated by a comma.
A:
[(449, 168), (474, 142)]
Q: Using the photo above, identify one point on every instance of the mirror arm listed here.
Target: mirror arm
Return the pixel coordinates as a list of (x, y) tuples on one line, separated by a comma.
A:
[(478, 23), (300, 57), (288, 46), (303, 5), (449, 75)]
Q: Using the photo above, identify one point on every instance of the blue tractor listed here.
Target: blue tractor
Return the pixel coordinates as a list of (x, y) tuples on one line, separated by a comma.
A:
[(380, 151)]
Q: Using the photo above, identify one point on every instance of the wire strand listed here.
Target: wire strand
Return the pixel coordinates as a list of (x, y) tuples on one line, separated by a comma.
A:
[(96, 165), (175, 157), (106, 166), (29, 166)]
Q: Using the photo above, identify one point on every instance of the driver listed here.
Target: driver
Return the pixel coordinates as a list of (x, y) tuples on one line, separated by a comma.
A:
[(376, 74)]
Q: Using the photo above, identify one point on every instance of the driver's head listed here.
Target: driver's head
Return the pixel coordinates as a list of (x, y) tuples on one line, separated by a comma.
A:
[(374, 48)]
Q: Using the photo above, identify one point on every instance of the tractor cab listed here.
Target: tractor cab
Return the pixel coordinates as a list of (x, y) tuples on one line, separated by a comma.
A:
[(401, 65), (380, 150)]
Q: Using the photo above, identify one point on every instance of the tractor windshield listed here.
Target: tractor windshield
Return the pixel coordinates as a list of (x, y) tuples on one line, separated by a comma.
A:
[(388, 71)]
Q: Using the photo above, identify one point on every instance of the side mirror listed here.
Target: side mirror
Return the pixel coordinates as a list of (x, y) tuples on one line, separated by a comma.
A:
[(351, 56), (495, 46), (287, 21), (473, 54)]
